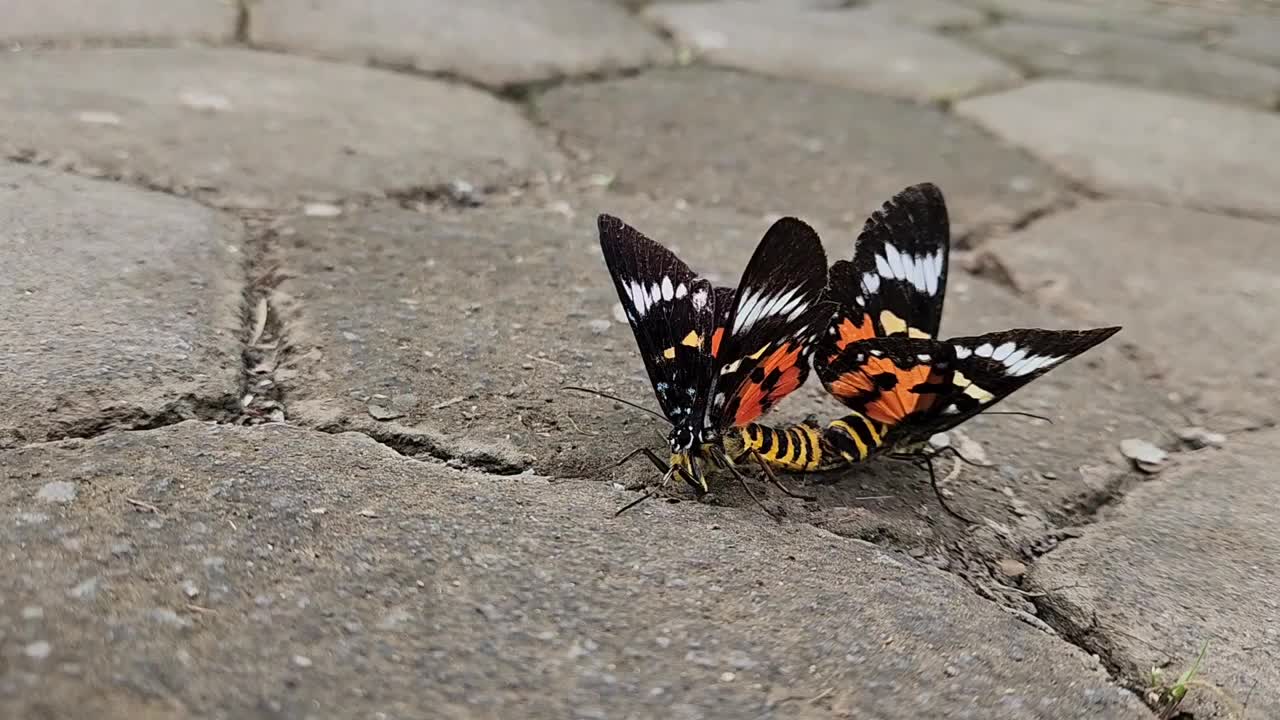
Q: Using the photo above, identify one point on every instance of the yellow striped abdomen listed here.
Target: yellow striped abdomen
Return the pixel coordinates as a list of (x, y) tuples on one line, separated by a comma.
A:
[(854, 437), (797, 448)]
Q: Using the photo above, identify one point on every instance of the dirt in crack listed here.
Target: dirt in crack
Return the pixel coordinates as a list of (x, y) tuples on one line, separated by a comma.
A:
[(265, 341)]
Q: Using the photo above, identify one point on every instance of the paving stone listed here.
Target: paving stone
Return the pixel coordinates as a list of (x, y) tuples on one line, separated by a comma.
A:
[(1126, 58), (1143, 18), (494, 42), (248, 129), (1187, 558), (849, 48), (1118, 261), (775, 146), (483, 317), (1256, 38), (336, 574), (74, 22), (121, 307), (1155, 146)]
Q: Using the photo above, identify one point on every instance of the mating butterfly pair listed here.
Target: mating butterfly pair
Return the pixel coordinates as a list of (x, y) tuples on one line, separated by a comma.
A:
[(719, 358)]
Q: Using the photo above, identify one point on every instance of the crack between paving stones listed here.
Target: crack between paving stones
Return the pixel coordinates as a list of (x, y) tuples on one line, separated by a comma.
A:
[(426, 445), (264, 338), (243, 18)]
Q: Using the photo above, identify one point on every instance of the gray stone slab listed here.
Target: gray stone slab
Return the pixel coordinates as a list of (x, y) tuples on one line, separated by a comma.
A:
[(494, 42), (777, 146), (1142, 143), (468, 326), (1132, 59), (249, 129), (121, 307), (1140, 17), (1151, 269), (1256, 38), (289, 571), (73, 22), (848, 48), (1189, 558)]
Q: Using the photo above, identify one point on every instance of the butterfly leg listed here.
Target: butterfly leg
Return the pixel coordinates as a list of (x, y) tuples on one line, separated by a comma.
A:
[(778, 483), (933, 482), (667, 473), (742, 480)]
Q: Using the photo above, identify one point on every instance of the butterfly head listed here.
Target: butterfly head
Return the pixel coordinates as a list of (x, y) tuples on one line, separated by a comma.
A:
[(684, 437)]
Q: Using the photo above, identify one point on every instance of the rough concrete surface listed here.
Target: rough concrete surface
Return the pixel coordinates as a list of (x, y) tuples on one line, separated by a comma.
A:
[(458, 350), (66, 22), (1170, 148), (121, 308), (257, 129), (1115, 262), (847, 47), (357, 242), (778, 146), (495, 42), (1146, 62), (286, 573), (1181, 562)]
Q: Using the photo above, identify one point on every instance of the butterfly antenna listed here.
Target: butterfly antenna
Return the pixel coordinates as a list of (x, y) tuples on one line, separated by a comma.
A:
[(615, 398), (1018, 412)]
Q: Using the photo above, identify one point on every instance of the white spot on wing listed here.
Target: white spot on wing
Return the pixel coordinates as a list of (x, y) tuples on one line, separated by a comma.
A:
[(699, 299), (984, 350), (962, 352), (871, 281), (1004, 351), (668, 291), (681, 291)]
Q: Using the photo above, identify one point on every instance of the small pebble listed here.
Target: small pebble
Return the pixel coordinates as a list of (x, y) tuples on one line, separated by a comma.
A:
[(599, 327), (59, 491), (302, 661), (86, 590), (190, 590), (38, 650), (727, 677), (1146, 456), (32, 612), (324, 210)]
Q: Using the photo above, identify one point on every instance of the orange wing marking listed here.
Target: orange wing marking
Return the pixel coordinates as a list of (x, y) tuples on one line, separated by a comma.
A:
[(890, 389), (755, 398)]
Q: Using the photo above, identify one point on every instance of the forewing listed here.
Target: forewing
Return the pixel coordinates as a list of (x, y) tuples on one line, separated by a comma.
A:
[(671, 312), (921, 386), (895, 284), (763, 352)]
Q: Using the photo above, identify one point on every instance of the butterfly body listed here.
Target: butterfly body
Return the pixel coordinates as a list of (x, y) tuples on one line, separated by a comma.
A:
[(718, 358)]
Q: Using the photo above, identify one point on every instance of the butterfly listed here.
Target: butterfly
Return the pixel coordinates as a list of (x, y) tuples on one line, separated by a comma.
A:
[(881, 356), (719, 358)]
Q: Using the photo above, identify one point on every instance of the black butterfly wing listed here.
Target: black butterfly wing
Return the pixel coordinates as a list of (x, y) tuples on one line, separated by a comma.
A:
[(897, 279), (671, 311), (764, 338), (921, 386)]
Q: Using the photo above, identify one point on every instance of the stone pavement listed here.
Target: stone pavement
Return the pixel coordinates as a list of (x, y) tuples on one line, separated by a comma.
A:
[(290, 290)]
